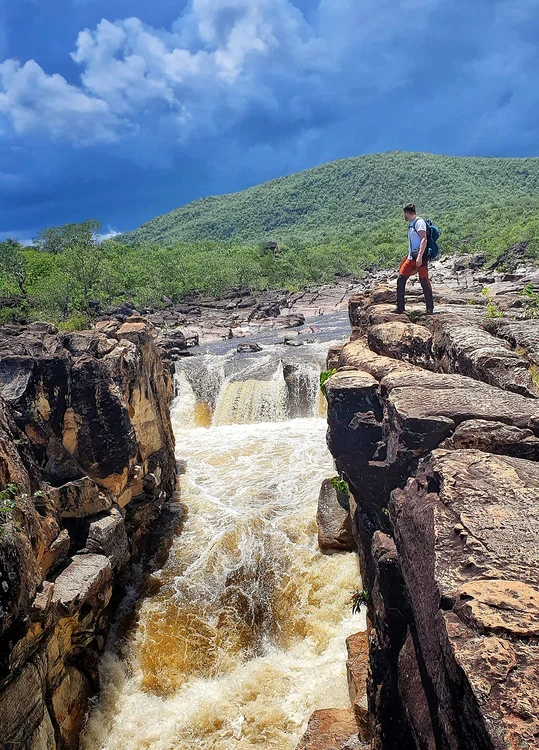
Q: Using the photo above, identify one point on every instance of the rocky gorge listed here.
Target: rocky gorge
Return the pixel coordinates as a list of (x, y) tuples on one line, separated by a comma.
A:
[(433, 425)]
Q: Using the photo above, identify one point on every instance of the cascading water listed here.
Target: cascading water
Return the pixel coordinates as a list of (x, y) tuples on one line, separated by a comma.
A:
[(245, 635)]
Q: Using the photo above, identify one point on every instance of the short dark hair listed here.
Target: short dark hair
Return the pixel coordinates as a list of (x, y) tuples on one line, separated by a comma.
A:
[(409, 208)]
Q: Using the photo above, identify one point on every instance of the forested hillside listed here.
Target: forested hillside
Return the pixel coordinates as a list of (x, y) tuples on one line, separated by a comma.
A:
[(344, 196), (340, 218)]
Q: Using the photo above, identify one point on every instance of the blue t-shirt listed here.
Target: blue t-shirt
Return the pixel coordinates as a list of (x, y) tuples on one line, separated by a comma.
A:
[(414, 240)]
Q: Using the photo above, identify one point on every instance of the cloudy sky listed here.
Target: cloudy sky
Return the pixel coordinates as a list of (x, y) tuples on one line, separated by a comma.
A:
[(124, 109)]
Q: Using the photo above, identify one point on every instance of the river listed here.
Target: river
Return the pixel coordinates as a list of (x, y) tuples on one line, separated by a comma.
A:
[(244, 635)]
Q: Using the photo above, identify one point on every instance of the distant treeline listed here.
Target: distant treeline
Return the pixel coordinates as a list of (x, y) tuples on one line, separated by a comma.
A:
[(68, 274)]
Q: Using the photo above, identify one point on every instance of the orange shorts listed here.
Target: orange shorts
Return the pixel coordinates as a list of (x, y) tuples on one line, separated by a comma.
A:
[(409, 267)]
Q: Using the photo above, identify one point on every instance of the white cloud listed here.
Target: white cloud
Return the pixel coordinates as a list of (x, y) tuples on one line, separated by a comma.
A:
[(146, 90), (108, 235), (36, 102), (134, 73)]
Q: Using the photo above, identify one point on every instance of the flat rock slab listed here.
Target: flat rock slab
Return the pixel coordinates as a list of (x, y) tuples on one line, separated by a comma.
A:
[(523, 334), (422, 395), (87, 579), (494, 437)]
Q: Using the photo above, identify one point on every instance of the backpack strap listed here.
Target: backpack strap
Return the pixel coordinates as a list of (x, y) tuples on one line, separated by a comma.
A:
[(412, 226)]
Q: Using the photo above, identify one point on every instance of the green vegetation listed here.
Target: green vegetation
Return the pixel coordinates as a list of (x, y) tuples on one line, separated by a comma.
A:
[(8, 505), (359, 599), (344, 197), (324, 377), (337, 219), (493, 310), (340, 485), (530, 301)]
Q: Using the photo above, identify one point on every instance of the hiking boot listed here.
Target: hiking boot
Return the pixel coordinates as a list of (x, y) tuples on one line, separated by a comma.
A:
[(430, 312), (396, 311)]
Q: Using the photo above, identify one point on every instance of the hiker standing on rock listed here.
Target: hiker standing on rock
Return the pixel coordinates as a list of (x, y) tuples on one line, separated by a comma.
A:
[(417, 260)]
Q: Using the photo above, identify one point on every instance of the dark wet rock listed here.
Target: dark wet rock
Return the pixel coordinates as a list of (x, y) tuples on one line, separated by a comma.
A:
[(472, 261), (246, 348)]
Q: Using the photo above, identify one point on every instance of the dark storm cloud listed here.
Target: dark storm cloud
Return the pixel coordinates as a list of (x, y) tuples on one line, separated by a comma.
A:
[(121, 110)]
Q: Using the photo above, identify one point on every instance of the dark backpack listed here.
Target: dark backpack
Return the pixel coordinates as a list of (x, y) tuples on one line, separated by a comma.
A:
[(433, 234)]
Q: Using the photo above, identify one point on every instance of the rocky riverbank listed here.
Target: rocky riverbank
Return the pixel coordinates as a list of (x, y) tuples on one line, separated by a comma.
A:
[(86, 466), (433, 422)]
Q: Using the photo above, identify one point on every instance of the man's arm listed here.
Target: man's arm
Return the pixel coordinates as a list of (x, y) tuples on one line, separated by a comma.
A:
[(422, 247)]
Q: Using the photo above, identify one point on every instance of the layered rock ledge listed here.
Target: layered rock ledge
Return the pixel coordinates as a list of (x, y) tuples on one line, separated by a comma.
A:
[(434, 423), (86, 466)]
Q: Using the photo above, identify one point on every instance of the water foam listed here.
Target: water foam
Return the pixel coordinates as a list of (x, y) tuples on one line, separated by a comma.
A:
[(245, 636)]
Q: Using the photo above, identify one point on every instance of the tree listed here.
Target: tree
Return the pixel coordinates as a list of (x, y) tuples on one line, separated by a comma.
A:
[(13, 264), (83, 266), (58, 239)]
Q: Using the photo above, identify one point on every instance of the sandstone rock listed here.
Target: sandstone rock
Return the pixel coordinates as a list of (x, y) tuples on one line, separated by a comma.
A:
[(107, 536), (291, 321), (404, 341), (55, 552), (466, 532), (70, 703), (333, 519), (494, 437), (523, 334), (80, 498), (24, 718), (453, 606), (331, 729), (87, 579), (357, 667), (413, 697), (246, 348), (87, 413), (467, 349)]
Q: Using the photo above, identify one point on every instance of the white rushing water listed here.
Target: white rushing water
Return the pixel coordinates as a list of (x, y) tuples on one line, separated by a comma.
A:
[(246, 635)]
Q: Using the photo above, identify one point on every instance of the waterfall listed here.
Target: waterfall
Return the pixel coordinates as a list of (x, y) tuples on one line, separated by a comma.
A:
[(271, 386), (244, 633)]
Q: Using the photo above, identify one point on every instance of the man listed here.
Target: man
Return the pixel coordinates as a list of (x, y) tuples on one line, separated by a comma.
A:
[(417, 260)]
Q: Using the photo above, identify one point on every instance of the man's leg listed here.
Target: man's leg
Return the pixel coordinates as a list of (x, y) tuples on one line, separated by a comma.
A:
[(407, 269), (427, 287), (401, 289)]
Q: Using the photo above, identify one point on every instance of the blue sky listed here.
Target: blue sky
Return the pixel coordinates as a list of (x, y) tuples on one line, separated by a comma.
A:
[(125, 109)]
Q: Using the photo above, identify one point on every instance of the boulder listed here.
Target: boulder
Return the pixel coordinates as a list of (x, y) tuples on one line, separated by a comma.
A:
[(88, 579), (333, 519), (246, 348), (107, 536), (405, 341), (80, 498)]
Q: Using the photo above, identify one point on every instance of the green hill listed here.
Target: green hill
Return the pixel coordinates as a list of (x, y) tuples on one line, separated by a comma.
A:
[(350, 195), (337, 219)]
